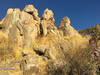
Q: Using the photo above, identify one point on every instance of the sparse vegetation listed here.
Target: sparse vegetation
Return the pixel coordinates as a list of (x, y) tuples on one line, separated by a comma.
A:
[(44, 49)]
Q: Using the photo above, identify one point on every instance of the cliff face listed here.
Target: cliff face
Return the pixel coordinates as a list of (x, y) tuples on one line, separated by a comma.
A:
[(40, 46)]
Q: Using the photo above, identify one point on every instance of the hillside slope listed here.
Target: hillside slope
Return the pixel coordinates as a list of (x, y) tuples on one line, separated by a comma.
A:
[(30, 45), (95, 30)]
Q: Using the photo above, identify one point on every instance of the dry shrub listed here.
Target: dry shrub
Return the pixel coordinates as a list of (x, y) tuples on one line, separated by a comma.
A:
[(82, 62), (77, 56)]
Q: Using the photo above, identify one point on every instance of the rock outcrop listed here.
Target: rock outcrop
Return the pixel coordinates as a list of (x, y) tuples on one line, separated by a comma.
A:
[(47, 23), (66, 29), (41, 47), (33, 11), (22, 27), (29, 65)]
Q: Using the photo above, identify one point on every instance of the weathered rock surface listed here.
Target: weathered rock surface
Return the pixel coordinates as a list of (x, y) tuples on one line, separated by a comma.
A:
[(52, 56), (22, 27), (43, 51), (55, 58), (29, 65), (66, 29), (47, 23), (33, 11)]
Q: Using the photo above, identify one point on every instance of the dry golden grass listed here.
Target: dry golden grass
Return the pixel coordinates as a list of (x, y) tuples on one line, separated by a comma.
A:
[(0, 22), (79, 54), (7, 56), (46, 40), (81, 62), (3, 45), (81, 59)]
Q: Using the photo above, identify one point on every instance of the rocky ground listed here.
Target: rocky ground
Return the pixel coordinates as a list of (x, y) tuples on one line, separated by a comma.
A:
[(30, 45)]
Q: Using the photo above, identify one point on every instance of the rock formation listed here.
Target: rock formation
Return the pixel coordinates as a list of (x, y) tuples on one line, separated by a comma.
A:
[(41, 47), (31, 10), (47, 23), (66, 29), (29, 65), (22, 27)]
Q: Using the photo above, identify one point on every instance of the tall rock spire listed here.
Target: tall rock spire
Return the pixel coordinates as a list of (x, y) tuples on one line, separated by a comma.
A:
[(47, 22), (66, 29)]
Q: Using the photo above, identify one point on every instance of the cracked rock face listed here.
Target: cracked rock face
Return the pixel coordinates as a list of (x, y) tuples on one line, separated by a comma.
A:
[(22, 27)]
